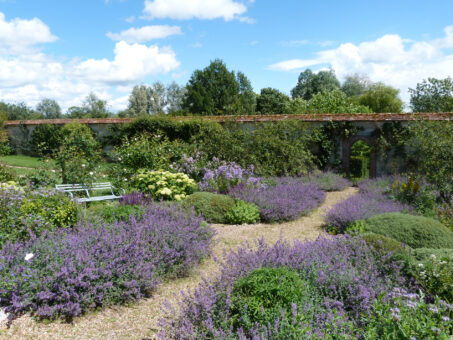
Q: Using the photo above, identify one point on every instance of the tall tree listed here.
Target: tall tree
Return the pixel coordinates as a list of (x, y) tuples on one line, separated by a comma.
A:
[(139, 101), (212, 91), (157, 98), (355, 85), (49, 108), (381, 98), (310, 83), (175, 97), (432, 95), (246, 101), (272, 102)]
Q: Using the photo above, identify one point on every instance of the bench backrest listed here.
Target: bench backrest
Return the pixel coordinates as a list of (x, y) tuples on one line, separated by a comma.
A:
[(86, 188)]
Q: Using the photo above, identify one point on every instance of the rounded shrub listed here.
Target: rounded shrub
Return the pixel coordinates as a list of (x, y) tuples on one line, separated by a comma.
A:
[(6, 174), (263, 294), (212, 207), (243, 212), (415, 231)]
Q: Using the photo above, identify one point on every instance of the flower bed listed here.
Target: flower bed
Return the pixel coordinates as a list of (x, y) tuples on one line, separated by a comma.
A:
[(341, 286), (287, 199), (370, 201), (69, 272)]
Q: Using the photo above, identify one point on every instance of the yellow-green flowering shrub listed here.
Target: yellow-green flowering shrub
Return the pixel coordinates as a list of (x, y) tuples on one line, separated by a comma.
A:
[(164, 184)]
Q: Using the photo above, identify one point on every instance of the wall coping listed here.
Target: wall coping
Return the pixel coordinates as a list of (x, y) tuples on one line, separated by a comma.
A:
[(337, 117)]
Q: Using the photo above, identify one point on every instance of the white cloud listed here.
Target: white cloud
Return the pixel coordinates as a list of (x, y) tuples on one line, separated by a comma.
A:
[(145, 33), (200, 9), (197, 45), (132, 63), (27, 74), (390, 59), (19, 35)]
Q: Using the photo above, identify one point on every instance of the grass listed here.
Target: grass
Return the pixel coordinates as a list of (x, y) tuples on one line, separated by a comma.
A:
[(23, 161)]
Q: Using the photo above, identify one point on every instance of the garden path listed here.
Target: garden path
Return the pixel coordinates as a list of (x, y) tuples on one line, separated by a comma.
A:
[(139, 321)]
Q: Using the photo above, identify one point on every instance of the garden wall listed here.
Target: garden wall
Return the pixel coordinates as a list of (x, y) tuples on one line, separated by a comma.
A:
[(366, 127)]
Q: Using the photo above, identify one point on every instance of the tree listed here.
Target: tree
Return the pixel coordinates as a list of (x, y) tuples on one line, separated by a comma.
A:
[(334, 102), (19, 111), (355, 85), (212, 91), (432, 95), (139, 101), (175, 97), (309, 83), (247, 98), (49, 108), (92, 107), (381, 98), (272, 102), (157, 98)]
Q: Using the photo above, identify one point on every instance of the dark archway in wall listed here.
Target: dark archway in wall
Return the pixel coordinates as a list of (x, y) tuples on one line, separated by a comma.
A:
[(346, 155)]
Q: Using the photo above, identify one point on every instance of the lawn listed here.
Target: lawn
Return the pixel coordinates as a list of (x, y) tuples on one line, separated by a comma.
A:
[(23, 161)]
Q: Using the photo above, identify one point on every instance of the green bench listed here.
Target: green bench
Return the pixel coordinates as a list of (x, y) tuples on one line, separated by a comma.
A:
[(72, 189)]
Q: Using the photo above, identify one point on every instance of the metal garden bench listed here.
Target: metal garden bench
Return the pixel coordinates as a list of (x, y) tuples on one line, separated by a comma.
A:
[(74, 188)]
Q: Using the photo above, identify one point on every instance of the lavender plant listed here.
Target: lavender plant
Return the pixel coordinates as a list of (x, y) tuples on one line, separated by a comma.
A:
[(341, 279), (359, 207), (66, 273), (328, 181), (288, 199)]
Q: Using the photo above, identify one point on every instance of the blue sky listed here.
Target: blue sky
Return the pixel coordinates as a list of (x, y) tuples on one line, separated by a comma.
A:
[(65, 49)]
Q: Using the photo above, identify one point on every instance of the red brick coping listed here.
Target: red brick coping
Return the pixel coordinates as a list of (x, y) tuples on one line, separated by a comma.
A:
[(376, 117)]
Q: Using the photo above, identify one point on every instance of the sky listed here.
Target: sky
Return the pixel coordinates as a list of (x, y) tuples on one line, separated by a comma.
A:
[(65, 49)]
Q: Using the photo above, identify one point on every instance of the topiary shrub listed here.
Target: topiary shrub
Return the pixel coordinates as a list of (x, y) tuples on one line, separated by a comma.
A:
[(415, 231), (213, 207), (243, 212)]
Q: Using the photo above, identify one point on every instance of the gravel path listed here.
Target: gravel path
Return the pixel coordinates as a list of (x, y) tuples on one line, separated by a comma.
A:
[(139, 320)]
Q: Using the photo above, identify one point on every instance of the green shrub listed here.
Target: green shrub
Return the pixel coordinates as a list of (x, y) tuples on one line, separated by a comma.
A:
[(164, 184), (150, 151), (415, 231), (46, 139), (78, 155), (243, 212), (382, 244), (414, 193), (6, 174), (408, 317), (433, 270), (212, 207), (23, 211), (263, 294), (114, 212)]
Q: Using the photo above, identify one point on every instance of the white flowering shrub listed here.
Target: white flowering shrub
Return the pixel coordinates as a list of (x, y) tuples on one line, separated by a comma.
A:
[(164, 184)]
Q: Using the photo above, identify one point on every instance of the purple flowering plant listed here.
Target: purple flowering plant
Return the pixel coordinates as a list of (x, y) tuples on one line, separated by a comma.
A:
[(221, 176), (341, 275), (68, 272), (285, 199), (371, 200)]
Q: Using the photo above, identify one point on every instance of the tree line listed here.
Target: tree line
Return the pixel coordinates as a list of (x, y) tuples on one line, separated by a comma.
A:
[(215, 90)]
